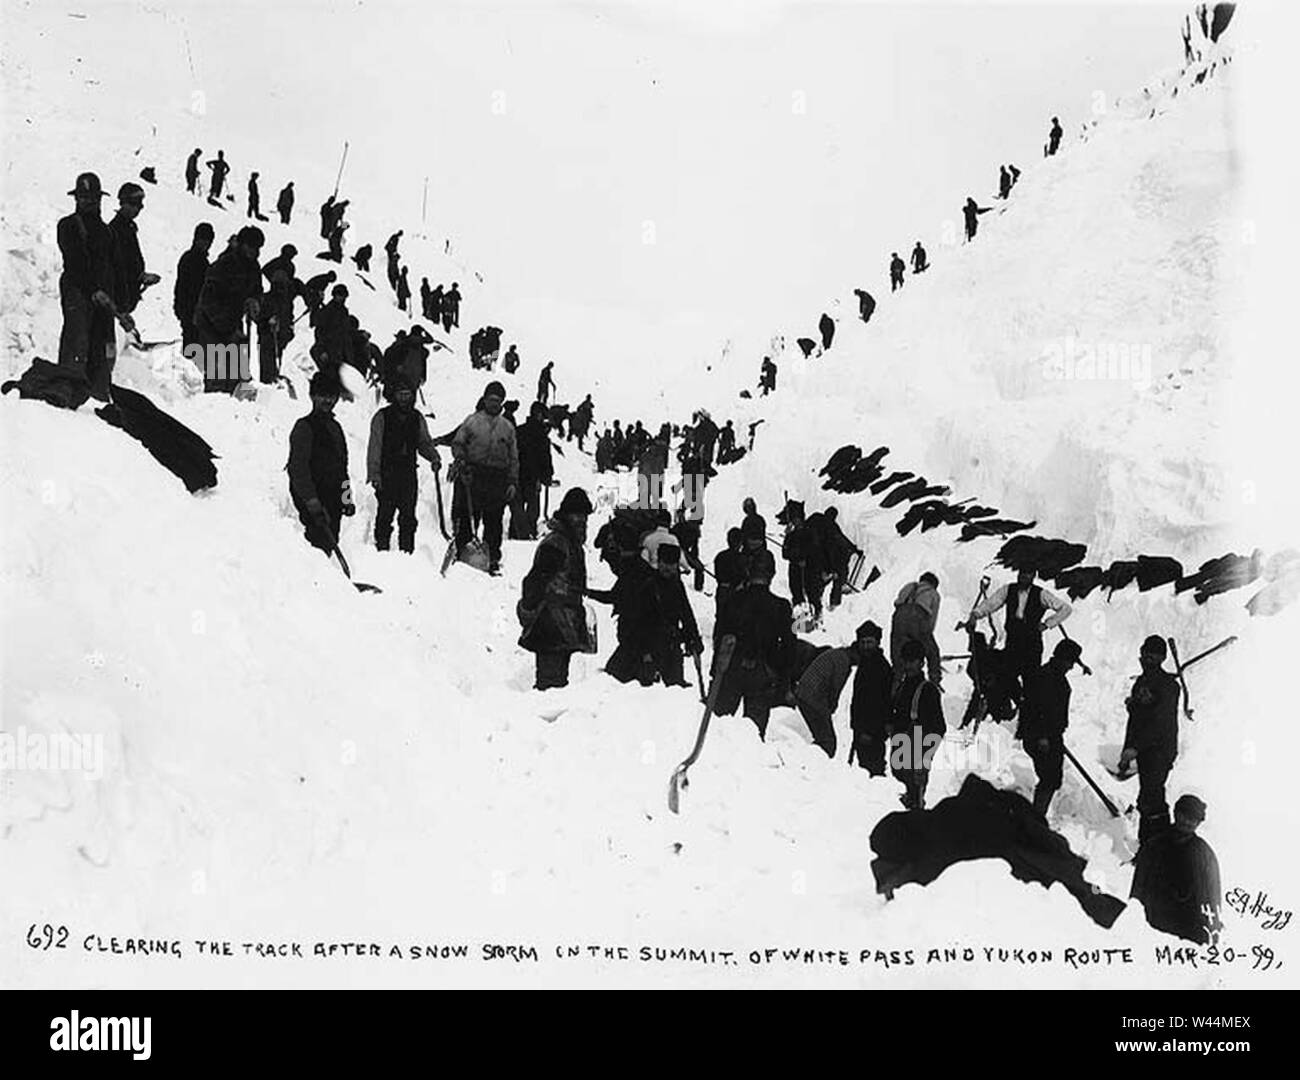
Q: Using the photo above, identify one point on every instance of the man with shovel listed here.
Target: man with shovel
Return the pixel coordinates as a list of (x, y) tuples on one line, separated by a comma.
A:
[(318, 466), (486, 472)]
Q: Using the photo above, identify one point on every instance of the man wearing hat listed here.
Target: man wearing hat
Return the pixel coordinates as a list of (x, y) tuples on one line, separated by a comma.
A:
[(760, 622), (550, 609), (333, 346), (318, 466), (397, 433), (869, 710), (1176, 876), (231, 293), (1044, 717), (1151, 736), (536, 469), (86, 287), (130, 276), (486, 467)]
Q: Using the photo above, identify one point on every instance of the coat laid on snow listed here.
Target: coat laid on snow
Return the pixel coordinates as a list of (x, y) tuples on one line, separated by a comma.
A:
[(980, 822), (175, 447)]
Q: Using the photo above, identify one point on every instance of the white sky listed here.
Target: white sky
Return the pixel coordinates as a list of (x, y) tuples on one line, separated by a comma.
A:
[(552, 132)]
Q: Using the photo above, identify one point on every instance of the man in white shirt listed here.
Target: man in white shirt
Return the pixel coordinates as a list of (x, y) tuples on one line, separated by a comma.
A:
[(1030, 610)]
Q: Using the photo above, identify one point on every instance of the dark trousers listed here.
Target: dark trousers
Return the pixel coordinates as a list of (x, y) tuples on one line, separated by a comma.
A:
[(750, 682), (1048, 764), (87, 342), (552, 670), (530, 507), (284, 217), (396, 499), (487, 493), (1153, 809), (1024, 654), (268, 362), (870, 749)]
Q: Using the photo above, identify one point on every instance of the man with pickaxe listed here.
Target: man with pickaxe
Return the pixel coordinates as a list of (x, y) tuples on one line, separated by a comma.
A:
[(1151, 737)]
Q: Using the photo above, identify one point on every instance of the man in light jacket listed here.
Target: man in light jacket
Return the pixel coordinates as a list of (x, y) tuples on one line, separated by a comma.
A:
[(916, 613)]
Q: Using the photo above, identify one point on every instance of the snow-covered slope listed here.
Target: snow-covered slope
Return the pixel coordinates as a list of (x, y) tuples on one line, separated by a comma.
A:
[(288, 760)]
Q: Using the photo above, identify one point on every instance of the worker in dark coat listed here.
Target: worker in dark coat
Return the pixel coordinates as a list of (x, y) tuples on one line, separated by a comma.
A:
[(313, 289), (191, 269), (87, 343), (220, 168), (283, 261), (826, 328), (362, 257), (231, 293), (333, 331), (1151, 736), (274, 324), (759, 672), (920, 261), (551, 609), (536, 470), (1176, 876), (729, 568), (451, 308), (896, 269), (916, 726), (1043, 719), (971, 214), (284, 203), (872, 706), (318, 466), (192, 171), (397, 433), (839, 551), (130, 278), (866, 304), (655, 621), (255, 198)]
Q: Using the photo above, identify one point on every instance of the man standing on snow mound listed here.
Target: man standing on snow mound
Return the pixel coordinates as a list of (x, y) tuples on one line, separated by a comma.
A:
[(1043, 719), (318, 466), (916, 613), (394, 260), (546, 383), (220, 167), (1176, 876), (759, 672), (920, 262), (397, 433), (87, 343), (826, 327), (192, 172), (1026, 605), (866, 304), (971, 213), (284, 203), (451, 308), (487, 472), (550, 609), (896, 268), (916, 726), (190, 272), (1151, 737), (1054, 138), (231, 293)]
